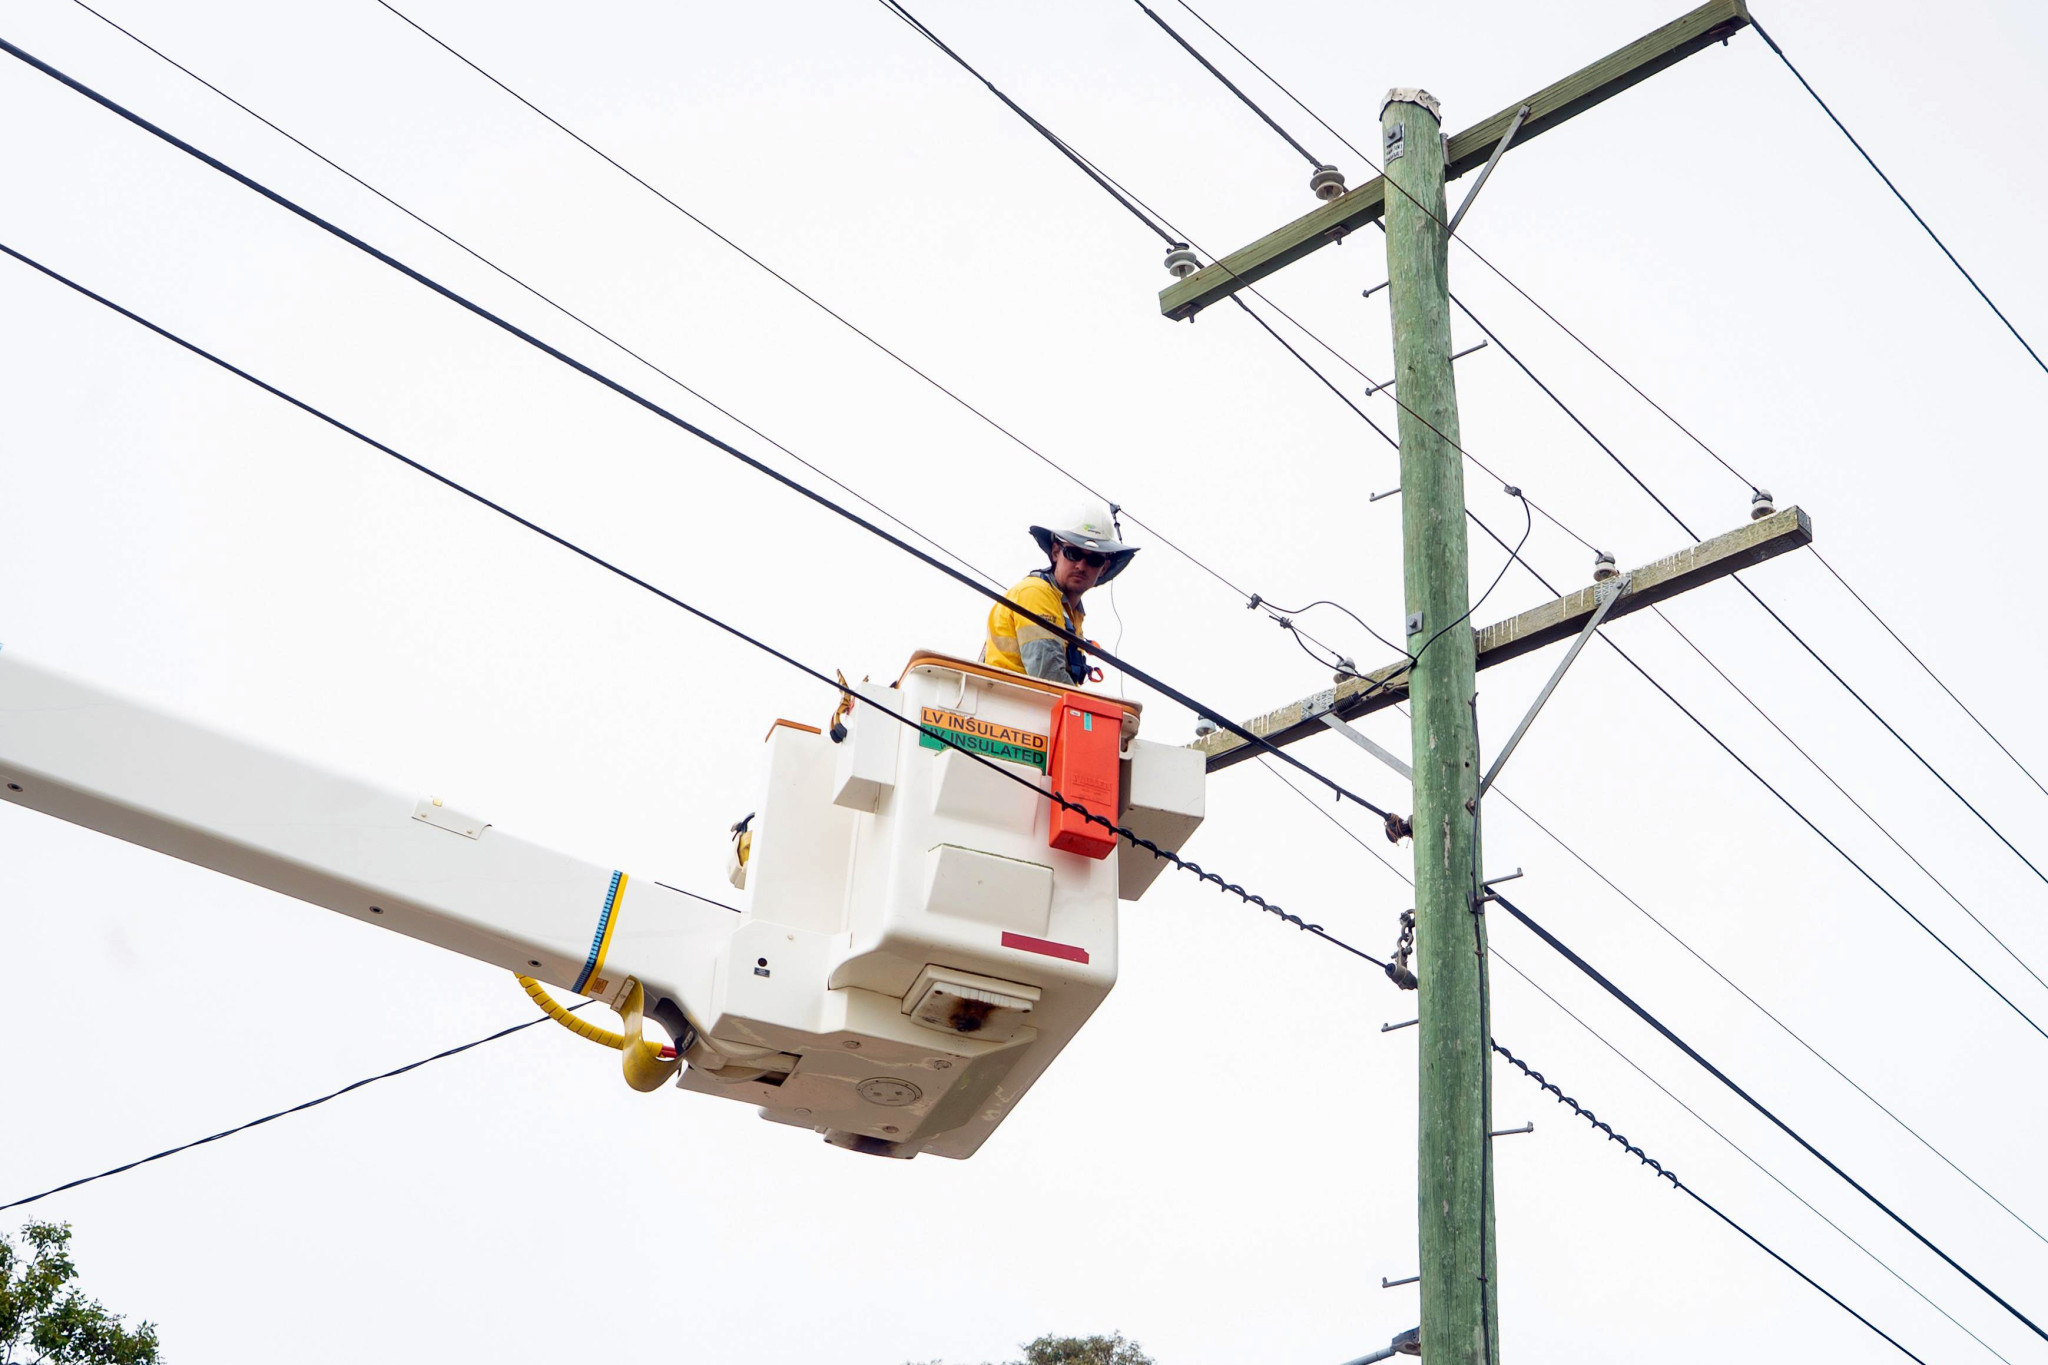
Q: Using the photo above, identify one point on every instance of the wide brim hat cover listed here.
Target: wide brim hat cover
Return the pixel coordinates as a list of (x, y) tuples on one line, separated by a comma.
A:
[(1118, 552)]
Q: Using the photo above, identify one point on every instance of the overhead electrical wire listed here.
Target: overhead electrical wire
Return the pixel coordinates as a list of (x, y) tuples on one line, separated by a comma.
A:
[(1635, 388), (551, 302), (1737, 1148), (1188, 47), (1787, 802), (1514, 555), (1495, 953), (1693, 1194), (1514, 552), (1761, 1008), (1057, 628), (1860, 600), (1300, 634), (1694, 953), (1008, 434), (1878, 825), (613, 340), (1551, 941), (1925, 668), (848, 490), (1903, 201), (1768, 609), (1092, 817), (818, 676), (1110, 184), (297, 1108), (1144, 211)]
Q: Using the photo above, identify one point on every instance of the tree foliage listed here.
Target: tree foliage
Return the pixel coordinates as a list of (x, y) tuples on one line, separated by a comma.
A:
[(1109, 1350), (45, 1320), (1052, 1350)]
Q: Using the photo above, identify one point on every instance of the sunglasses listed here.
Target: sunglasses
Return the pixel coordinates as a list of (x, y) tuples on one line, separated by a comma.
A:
[(1074, 554)]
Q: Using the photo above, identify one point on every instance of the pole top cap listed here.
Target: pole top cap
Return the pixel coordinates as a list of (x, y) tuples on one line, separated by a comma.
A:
[(1412, 94)]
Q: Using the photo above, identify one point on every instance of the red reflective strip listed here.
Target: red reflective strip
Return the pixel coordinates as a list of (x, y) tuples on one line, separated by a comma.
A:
[(1028, 944)]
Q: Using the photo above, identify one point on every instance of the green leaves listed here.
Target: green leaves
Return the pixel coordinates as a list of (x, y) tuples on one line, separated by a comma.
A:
[(45, 1320), (1052, 1350), (1109, 1350)]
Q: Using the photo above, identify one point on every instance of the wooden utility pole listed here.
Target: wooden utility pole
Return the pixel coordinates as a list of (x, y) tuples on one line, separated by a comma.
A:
[(1454, 1192), (1460, 1323)]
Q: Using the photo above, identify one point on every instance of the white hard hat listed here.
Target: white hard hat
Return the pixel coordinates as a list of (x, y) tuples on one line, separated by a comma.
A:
[(1092, 528)]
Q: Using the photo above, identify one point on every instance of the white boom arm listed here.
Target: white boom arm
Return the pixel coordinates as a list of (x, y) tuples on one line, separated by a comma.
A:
[(911, 956), (98, 760)]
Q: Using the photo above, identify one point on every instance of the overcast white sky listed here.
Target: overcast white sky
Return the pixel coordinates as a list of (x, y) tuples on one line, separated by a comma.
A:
[(1222, 1164)]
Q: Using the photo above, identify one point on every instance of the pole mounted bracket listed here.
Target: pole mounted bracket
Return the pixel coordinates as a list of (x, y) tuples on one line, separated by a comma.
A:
[(1499, 150), (1605, 595)]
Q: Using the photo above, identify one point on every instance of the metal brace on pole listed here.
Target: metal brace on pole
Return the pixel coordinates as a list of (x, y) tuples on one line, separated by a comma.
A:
[(1322, 707), (1604, 598), (1491, 162)]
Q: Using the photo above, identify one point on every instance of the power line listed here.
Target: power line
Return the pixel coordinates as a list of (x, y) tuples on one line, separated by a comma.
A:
[(1740, 1151), (1830, 668), (1529, 298), (1784, 800), (1349, 833), (1760, 1007), (1710, 452), (1514, 553), (1694, 953), (1924, 668), (2034, 355), (1057, 628), (297, 1108), (1495, 953), (1110, 184), (1767, 785), (1555, 944), (1770, 611), (1136, 840), (1653, 496), (566, 312), (1685, 1189), (1650, 492), (1114, 192), (1515, 556), (1830, 777), (828, 310), (636, 355), (1210, 67)]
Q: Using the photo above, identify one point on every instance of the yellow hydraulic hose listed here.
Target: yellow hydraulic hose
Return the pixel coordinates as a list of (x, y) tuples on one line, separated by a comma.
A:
[(648, 1065), (579, 1027)]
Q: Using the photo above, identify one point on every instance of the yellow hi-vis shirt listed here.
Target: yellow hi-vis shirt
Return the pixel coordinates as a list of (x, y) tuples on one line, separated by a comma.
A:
[(1022, 645)]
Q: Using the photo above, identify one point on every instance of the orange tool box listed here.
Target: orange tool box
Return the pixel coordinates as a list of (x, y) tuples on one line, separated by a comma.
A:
[(1087, 738)]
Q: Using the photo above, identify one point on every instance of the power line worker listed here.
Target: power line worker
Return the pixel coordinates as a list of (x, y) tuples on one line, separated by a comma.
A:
[(1086, 552)]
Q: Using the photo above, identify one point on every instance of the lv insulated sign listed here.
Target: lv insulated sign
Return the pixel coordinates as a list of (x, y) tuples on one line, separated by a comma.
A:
[(945, 729)]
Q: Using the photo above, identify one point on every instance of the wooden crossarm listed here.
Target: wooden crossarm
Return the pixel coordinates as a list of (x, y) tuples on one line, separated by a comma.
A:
[(1531, 630), (1711, 23)]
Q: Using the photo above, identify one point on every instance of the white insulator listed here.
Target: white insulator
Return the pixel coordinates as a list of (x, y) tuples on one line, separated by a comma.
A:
[(1204, 727), (1326, 183), (1603, 566), (1181, 262), (1761, 505)]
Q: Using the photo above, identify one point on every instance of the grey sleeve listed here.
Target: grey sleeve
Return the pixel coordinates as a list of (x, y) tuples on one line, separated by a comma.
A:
[(1045, 659)]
